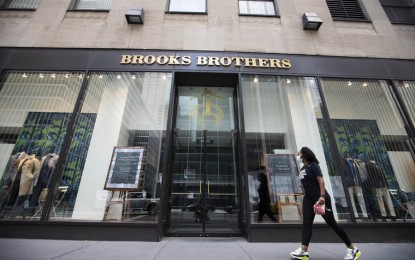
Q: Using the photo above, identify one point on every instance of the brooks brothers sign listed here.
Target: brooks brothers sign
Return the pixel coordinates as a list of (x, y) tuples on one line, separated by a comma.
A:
[(206, 61)]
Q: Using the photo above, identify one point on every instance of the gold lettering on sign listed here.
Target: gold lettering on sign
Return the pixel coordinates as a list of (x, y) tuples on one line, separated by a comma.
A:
[(207, 60), (126, 59), (186, 60), (286, 64), (162, 60), (213, 61), (202, 60)]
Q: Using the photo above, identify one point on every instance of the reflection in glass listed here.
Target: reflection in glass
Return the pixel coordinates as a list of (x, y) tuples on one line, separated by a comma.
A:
[(257, 7), (193, 6), (121, 112), (281, 115), (374, 146), (35, 108)]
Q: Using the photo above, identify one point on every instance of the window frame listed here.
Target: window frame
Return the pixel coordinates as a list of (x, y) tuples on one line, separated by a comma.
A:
[(167, 11), (6, 3), (261, 15), (365, 14), (73, 8)]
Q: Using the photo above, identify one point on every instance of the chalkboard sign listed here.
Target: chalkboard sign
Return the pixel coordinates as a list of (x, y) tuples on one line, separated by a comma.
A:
[(283, 173), (125, 168)]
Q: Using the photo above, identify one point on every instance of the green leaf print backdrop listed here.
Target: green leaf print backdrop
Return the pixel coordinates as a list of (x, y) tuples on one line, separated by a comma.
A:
[(44, 132), (358, 139)]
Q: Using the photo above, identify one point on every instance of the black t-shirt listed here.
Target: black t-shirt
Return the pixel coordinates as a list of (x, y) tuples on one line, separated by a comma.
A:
[(308, 177)]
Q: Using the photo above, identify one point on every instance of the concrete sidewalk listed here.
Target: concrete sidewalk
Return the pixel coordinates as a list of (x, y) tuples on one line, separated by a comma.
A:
[(189, 249)]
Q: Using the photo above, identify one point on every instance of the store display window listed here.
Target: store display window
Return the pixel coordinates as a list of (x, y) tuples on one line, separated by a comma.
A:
[(35, 109), (281, 115), (374, 147), (114, 168)]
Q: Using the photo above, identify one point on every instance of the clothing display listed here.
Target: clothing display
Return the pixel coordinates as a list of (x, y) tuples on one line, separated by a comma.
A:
[(42, 180), (354, 183), (377, 183)]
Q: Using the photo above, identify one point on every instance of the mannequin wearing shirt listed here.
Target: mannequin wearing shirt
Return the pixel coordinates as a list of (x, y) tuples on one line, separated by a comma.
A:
[(379, 185)]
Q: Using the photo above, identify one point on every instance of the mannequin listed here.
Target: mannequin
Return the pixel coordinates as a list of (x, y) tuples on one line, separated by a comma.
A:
[(354, 184), (9, 194), (28, 168), (42, 179), (377, 182)]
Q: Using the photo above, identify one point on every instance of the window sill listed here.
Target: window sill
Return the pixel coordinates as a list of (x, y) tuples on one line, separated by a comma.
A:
[(18, 9), (201, 13), (261, 15), (89, 10)]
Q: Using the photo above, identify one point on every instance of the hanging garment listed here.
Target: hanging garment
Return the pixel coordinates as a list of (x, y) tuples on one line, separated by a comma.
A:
[(29, 168), (382, 196)]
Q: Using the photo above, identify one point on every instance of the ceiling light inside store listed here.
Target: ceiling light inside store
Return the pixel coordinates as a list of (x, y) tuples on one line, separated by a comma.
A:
[(67, 76), (164, 76), (255, 79), (41, 75), (349, 83), (133, 76), (364, 84), (101, 76), (24, 75), (53, 76), (288, 81), (80, 76), (118, 76), (406, 85)]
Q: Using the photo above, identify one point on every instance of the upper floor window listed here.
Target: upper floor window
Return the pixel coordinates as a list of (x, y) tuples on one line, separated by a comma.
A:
[(257, 7), (346, 10), (19, 4), (399, 11), (90, 5), (187, 6)]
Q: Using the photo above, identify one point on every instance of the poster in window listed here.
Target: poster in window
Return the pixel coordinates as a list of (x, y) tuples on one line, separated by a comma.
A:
[(125, 168), (283, 173)]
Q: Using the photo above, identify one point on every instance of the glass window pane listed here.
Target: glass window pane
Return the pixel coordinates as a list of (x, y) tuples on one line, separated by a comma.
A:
[(35, 108), (94, 4), (407, 91), (373, 144), (257, 7), (115, 165), (197, 6), (282, 115), (23, 4)]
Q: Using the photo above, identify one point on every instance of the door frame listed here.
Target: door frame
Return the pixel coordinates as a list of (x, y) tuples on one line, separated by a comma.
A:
[(196, 79)]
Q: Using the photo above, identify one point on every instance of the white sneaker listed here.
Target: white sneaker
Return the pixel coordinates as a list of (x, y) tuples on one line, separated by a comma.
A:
[(352, 254), (299, 254)]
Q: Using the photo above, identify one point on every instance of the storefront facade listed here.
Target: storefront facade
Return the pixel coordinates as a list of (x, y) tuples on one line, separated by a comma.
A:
[(141, 144)]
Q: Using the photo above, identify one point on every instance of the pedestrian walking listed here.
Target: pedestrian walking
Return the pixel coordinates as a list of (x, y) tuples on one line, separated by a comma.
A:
[(315, 193)]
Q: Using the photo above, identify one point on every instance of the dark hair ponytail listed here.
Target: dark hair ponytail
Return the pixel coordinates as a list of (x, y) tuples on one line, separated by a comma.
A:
[(308, 155)]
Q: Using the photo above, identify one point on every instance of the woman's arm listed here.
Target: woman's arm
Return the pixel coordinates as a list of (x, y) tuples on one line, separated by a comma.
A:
[(320, 181)]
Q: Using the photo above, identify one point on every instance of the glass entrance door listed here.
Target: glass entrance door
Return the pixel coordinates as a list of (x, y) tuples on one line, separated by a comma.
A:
[(205, 176)]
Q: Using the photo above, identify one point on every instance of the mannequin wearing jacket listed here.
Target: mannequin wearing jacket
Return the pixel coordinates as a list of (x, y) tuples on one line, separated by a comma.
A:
[(377, 182), (42, 179), (28, 168), (9, 195)]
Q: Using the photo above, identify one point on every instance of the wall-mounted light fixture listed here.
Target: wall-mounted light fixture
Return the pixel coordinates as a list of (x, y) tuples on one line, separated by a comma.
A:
[(135, 16), (311, 21)]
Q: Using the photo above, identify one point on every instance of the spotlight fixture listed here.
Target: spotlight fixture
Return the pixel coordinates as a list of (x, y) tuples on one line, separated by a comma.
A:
[(349, 83), (164, 76), (255, 79), (135, 16), (288, 81), (41, 76), (66, 76), (53, 76), (24, 75), (101, 76), (364, 84), (80, 76), (133, 76), (118, 76), (311, 21), (406, 85)]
